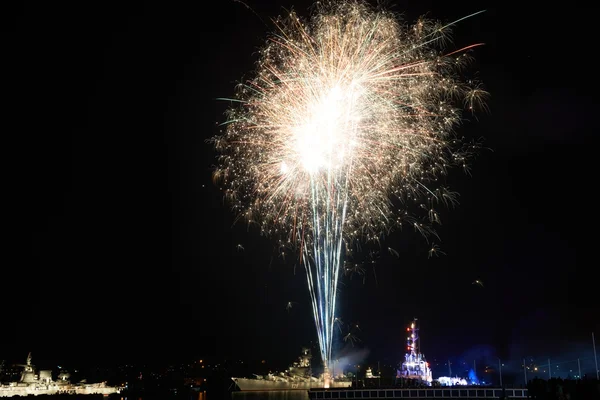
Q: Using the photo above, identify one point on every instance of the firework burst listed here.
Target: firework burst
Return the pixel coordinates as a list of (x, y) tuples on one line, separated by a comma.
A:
[(347, 114)]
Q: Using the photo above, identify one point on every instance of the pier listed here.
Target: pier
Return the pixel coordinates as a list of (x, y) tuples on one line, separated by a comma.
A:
[(418, 394)]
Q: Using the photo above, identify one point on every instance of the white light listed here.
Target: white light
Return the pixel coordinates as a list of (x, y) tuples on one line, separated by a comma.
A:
[(325, 134)]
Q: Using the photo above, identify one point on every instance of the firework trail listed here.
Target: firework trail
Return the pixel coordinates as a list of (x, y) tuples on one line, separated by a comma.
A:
[(349, 116)]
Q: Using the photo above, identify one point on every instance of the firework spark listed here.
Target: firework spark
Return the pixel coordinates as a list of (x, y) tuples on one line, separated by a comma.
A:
[(349, 116)]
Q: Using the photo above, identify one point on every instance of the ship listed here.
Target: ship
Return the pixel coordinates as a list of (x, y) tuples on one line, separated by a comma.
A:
[(298, 376), (369, 374), (33, 383), (414, 365)]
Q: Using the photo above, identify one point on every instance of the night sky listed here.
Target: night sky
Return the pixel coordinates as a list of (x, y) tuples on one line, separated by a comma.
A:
[(118, 246)]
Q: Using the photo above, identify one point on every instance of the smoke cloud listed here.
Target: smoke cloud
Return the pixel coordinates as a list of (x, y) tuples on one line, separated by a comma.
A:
[(349, 357)]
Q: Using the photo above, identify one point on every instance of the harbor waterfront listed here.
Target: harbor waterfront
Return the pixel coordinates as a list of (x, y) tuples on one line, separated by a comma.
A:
[(392, 394)]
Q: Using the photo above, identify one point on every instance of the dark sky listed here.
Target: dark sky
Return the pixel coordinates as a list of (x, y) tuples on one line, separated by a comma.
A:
[(119, 247)]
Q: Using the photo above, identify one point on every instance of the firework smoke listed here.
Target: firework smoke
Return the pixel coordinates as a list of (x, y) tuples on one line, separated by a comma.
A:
[(347, 114)]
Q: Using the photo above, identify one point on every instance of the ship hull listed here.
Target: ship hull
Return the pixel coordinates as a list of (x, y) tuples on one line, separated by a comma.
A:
[(246, 384), (10, 391)]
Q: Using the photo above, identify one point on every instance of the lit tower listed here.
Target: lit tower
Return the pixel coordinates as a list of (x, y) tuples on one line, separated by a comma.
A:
[(414, 365), (411, 341)]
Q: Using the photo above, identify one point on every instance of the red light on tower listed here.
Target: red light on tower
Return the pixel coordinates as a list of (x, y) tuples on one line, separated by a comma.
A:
[(407, 329)]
